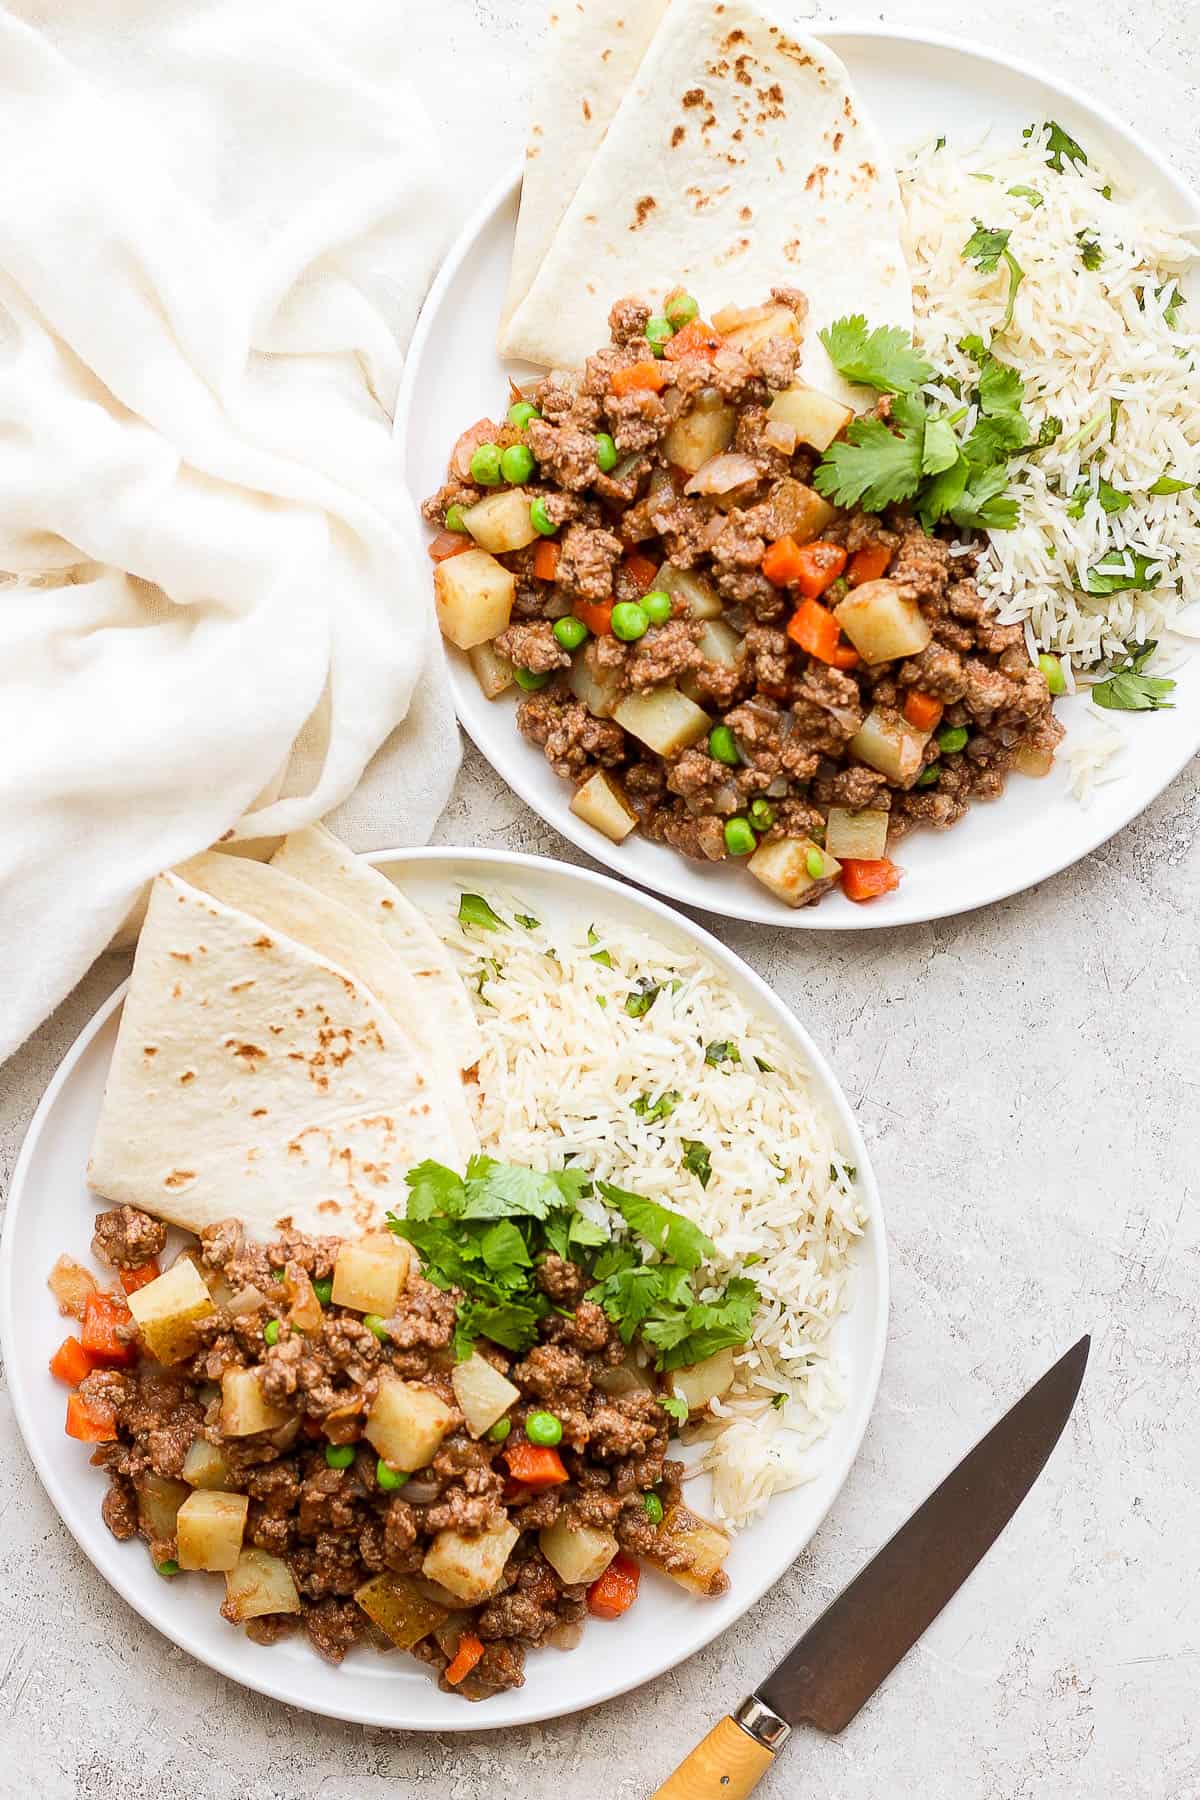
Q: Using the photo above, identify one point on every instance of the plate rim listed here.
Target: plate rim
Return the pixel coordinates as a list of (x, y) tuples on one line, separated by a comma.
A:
[(836, 32), (832, 1092)]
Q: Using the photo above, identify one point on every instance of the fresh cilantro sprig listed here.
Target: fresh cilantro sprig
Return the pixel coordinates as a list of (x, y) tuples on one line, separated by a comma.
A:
[(985, 248), (883, 359), (1120, 570), (1061, 148), (1129, 689)]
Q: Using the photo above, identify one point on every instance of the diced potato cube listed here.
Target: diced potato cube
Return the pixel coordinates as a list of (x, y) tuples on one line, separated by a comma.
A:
[(598, 689), (474, 595), (407, 1422), (1029, 760), (402, 1612), (703, 600), (483, 1393), (663, 719), (258, 1584), (169, 1308), (718, 643), (370, 1272), (862, 835), (205, 1466), (209, 1529), (577, 1553), (493, 673), (745, 327), (887, 742), (698, 434), (470, 1567), (798, 511), (881, 622), (500, 522), (782, 867), (705, 1546), (601, 803), (698, 1383), (245, 1409), (158, 1501), (814, 417)]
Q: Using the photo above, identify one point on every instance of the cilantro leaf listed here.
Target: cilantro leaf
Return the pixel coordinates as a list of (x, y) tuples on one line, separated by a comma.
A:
[(1120, 570), (1129, 689), (1049, 431), (940, 450), (1173, 307), (503, 1249), (941, 495), (871, 466), (1058, 146), (509, 1323), (1169, 484), (1112, 499), (473, 909), (765, 1067), (1001, 390), (662, 1108), (641, 997), (670, 1233), (985, 247), (498, 1190), (883, 359), (676, 1405), (711, 1326), (779, 1401), (1090, 251), (983, 505), (1027, 193), (527, 920), (697, 1160), (721, 1050)]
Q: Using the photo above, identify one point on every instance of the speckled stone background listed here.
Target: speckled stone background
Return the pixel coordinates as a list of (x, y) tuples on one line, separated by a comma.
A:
[(1029, 1081)]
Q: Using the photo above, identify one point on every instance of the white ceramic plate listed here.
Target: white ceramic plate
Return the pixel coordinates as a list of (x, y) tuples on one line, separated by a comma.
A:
[(50, 1211), (915, 84)]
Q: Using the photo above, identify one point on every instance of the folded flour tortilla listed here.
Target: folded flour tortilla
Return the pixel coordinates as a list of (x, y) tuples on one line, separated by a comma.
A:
[(591, 54), (738, 160), (255, 1078), (321, 860)]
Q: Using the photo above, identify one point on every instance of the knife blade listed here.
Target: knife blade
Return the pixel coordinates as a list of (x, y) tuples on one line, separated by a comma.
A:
[(860, 1637)]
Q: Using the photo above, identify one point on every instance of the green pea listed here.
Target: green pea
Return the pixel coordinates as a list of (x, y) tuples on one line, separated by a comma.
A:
[(722, 745), (517, 464), (339, 1456), (520, 413), (680, 310), (739, 838), (1051, 668), (324, 1291), (814, 862), (657, 606), (540, 519), (170, 1567), (762, 815), (952, 737), (500, 1430), (485, 465), (654, 1508), (271, 1331), (387, 1478), (570, 632), (629, 621), (454, 518), (528, 681), (544, 1428), (378, 1325), (928, 777), (606, 452), (659, 332)]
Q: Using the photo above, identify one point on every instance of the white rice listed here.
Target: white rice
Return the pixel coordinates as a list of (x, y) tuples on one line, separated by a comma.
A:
[(1079, 338), (558, 1080)]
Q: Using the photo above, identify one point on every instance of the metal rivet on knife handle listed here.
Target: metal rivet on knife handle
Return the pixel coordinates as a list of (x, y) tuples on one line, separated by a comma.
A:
[(727, 1765)]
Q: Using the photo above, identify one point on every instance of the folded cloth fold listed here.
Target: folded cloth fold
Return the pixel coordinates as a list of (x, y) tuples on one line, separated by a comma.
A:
[(218, 221)]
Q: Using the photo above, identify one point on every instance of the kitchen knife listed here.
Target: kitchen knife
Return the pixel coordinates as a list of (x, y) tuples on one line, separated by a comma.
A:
[(861, 1636)]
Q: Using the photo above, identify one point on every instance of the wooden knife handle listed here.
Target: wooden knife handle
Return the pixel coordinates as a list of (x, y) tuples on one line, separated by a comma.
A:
[(727, 1765)]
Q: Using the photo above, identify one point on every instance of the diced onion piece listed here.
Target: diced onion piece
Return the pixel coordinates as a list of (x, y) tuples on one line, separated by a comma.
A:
[(815, 418), (493, 673), (1029, 760), (407, 1423), (244, 1300), (699, 435), (782, 866), (483, 1393), (259, 1584), (601, 803), (701, 598), (723, 474), (861, 835), (626, 1377), (882, 623), (483, 431), (701, 1382), (887, 742), (474, 597), (71, 1284), (706, 1548), (501, 522), (663, 719), (577, 1553)]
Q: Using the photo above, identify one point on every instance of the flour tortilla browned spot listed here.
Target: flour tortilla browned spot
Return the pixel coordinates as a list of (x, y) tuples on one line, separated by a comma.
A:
[(590, 55), (730, 114), (315, 856), (255, 1079)]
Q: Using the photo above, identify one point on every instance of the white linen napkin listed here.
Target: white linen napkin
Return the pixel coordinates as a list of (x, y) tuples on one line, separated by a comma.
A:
[(217, 223)]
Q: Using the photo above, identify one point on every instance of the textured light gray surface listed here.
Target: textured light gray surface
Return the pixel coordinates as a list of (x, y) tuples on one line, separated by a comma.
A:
[(1027, 1078)]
